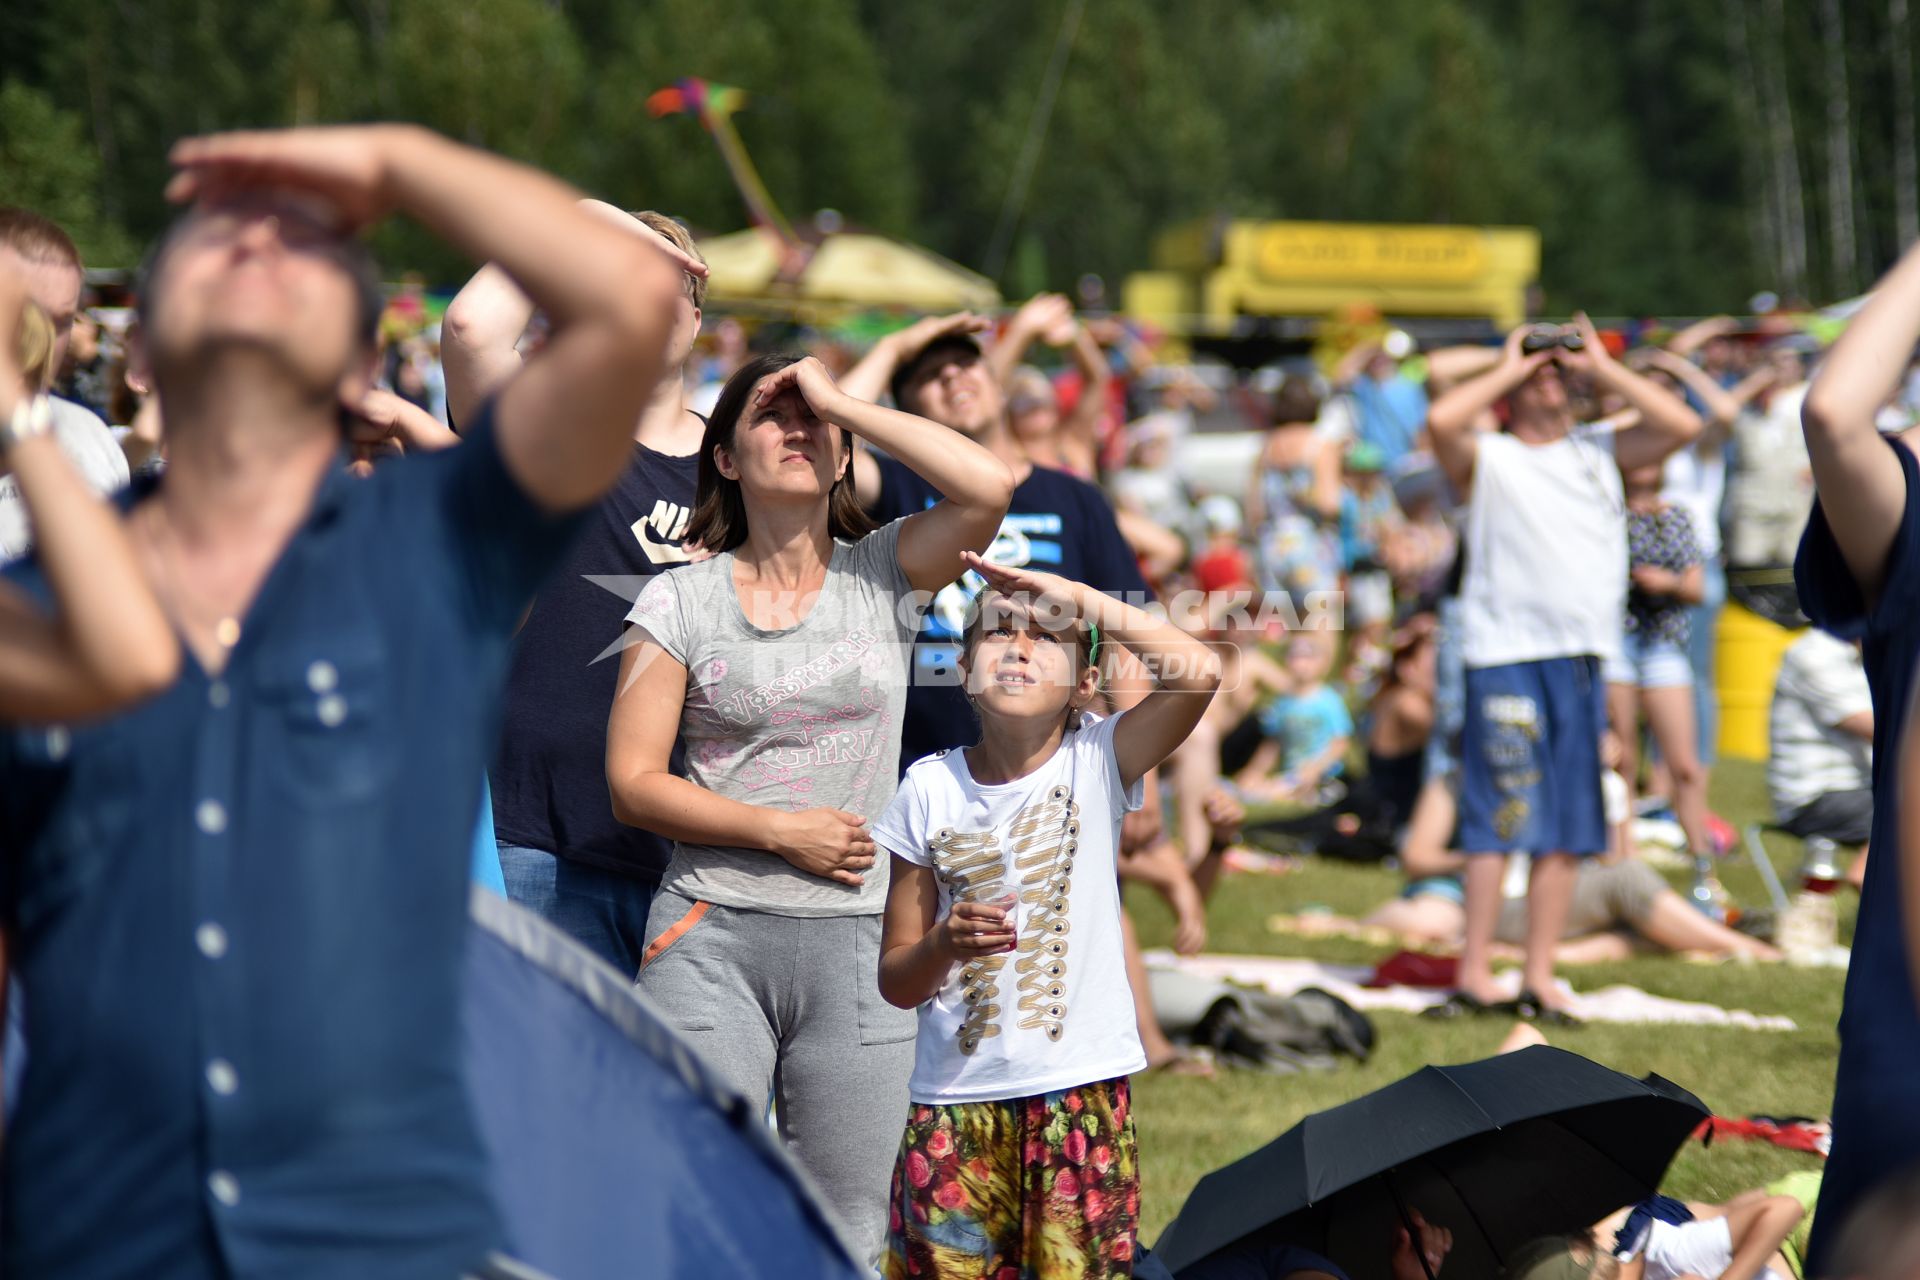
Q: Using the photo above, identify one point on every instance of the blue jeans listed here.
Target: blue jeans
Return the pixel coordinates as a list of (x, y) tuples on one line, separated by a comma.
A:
[(1449, 697), (1703, 618), (603, 911)]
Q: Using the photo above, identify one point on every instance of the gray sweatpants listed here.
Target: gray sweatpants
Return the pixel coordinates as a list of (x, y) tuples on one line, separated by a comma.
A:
[(792, 1004)]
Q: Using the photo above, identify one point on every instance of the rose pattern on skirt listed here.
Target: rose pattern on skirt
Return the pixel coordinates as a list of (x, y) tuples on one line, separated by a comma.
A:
[(1039, 1188)]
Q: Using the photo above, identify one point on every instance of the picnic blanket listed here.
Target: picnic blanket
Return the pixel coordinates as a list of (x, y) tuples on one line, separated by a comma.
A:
[(1619, 1003)]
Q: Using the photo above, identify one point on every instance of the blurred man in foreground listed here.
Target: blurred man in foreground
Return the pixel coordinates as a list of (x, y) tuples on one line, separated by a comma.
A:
[(237, 911)]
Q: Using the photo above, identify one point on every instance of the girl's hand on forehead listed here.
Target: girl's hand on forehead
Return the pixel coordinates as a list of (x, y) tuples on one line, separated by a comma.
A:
[(1036, 586)]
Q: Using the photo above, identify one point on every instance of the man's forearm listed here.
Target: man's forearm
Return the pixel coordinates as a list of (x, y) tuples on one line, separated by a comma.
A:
[(571, 264), (965, 473), (483, 326), (1659, 408), (1004, 356), (868, 380), (1453, 414)]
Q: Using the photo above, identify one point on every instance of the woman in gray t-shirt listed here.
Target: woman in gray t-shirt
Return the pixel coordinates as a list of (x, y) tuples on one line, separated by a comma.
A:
[(781, 663)]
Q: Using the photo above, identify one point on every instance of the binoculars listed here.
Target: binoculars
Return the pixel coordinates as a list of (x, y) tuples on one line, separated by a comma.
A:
[(1545, 337)]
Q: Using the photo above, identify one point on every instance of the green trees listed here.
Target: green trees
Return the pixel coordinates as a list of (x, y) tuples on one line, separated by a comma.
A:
[(1677, 155)]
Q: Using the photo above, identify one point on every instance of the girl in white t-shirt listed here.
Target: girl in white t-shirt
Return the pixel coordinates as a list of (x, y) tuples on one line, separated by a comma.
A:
[(1003, 927)]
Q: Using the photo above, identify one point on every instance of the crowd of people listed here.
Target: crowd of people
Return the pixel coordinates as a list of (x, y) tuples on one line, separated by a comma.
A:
[(829, 697)]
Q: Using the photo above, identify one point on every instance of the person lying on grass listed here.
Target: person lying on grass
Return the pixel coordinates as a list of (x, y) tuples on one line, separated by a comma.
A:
[(1620, 905)]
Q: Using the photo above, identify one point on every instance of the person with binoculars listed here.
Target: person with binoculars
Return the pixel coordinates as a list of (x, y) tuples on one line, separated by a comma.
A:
[(1542, 603)]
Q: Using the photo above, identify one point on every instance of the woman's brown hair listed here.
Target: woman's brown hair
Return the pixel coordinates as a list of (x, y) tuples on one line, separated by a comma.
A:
[(719, 521), (1295, 401)]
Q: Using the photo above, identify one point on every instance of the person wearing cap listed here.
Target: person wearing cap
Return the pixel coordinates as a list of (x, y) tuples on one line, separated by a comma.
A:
[(1542, 601), (1222, 564), (1368, 516), (1069, 438), (1390, 408)]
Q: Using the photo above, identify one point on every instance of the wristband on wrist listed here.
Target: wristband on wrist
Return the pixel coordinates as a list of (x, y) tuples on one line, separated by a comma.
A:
[(32, 416)]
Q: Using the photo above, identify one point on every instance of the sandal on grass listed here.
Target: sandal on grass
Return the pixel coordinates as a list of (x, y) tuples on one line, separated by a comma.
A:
[(1461, 1004), (1532, 1008)]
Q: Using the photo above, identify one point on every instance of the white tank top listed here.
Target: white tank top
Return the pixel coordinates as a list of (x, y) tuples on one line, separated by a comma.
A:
[(1546, 549)]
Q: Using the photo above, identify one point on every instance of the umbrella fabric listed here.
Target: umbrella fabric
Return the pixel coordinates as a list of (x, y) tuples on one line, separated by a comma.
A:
[(1500, 1152), (613, 1151)]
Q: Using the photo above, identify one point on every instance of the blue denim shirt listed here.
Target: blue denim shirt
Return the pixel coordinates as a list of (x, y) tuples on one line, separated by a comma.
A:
[(238, 911)]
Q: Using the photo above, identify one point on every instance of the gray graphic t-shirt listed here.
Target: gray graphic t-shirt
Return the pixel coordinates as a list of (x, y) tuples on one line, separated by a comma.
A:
[(806, 717)]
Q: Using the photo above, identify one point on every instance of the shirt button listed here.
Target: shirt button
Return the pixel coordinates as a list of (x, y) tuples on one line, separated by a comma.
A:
[(210, 817), (222, 1078), (322, 678), (218, 695), (212, 940), (331, 709), (225, 1187), (59, 742)]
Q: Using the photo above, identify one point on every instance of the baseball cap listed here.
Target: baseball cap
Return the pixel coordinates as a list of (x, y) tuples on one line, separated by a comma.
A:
[(1030, 389), (946, 342), (1364, 455), (1221, 513)]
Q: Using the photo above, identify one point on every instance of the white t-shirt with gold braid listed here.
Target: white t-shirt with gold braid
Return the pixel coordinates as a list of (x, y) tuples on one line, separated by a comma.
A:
[(1056, 1012)]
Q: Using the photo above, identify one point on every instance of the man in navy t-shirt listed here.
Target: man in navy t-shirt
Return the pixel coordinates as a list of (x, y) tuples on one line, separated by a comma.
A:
[(1056, 522), (562, 852), (1858, 574)]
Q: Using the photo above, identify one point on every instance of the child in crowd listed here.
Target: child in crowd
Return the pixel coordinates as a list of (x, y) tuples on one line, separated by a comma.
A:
[(1653, 676), (1307, 728), (1003, 924), (1419, 550), (1222, 564), (1368, 516), (1665, 1239)]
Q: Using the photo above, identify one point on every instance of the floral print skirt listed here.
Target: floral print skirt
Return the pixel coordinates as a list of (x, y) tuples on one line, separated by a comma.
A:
[(1039, 1188)]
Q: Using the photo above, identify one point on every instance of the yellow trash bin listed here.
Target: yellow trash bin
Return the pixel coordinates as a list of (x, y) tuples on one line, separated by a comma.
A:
[(1747, 651)]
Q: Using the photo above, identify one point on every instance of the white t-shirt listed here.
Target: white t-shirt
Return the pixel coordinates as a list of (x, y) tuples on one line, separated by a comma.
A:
[(1821, 683), (94, 453), (1696, 482), (1057, 1011), (1546, 547), (799, 718), (1703, 1247)]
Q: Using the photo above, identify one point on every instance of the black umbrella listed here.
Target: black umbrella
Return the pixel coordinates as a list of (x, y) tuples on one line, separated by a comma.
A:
[(1500, 1152)]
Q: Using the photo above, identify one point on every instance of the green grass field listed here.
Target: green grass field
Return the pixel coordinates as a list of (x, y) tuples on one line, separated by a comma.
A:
[(1191, 1126)]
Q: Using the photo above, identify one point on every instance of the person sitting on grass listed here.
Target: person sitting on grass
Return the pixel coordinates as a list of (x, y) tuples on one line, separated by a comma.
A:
[(1368, 824), (1665, 1239), (1003, 927), (1307, 728), (1820, 744)]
